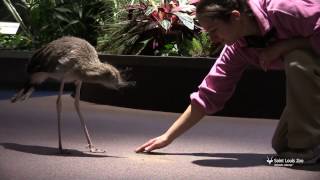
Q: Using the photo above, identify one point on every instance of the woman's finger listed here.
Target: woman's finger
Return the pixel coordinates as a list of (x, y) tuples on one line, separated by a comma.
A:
[(151, 147), (142, 147)]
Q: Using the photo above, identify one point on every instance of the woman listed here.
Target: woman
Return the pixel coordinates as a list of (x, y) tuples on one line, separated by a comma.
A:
[(269, 34)]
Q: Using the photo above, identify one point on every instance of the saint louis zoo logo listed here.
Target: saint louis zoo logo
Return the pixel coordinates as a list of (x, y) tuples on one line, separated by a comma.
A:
[(287, 162)]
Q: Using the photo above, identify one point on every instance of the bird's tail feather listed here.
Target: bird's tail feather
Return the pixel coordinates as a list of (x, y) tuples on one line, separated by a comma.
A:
[(24, 93)]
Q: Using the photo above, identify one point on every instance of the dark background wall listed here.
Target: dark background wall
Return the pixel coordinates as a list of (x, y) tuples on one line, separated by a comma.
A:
[(258, 94), (165, 84)]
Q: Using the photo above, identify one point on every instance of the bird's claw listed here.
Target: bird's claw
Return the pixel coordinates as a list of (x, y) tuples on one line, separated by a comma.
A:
[(95, 150)]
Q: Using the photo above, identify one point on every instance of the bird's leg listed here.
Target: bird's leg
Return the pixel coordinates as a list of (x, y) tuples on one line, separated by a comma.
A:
[(59, 104), (83, 124)]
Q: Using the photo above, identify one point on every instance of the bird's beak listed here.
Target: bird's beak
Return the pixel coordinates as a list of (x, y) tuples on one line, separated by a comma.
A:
[(126, 84)]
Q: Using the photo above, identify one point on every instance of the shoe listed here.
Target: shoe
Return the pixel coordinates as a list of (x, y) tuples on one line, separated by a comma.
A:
[(309, 156)]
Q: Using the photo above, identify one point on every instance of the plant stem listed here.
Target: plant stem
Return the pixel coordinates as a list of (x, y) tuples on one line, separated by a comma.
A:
[(16, 15)]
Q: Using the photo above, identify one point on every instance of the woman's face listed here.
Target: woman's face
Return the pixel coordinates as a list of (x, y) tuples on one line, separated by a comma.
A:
[(221, 32)]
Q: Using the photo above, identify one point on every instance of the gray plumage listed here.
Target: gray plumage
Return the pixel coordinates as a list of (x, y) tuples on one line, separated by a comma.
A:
[(69, 59)]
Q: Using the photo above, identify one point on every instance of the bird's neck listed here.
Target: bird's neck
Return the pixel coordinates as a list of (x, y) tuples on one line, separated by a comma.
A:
[(90, 72)]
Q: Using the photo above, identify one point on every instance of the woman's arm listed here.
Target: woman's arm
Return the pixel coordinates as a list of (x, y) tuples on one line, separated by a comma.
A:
[(193, 114), (216, 88), (189, 118), (281, 48)]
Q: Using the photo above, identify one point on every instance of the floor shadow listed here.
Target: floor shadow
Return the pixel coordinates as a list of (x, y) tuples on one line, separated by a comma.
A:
[(8, 94), (237, 160), (315, 167), (231, 160), (50, 151)]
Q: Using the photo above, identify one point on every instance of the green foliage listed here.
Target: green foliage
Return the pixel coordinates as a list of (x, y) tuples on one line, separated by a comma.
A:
[(14, 42), (46, 20), (169, 49), (200, 46), (149, 28)]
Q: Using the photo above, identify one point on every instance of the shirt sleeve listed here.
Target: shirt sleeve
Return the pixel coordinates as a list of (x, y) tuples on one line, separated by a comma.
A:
[(218, 86), (315, 38), (298, 20)]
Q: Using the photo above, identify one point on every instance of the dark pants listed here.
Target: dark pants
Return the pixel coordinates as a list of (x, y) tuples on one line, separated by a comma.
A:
[(299, 125)]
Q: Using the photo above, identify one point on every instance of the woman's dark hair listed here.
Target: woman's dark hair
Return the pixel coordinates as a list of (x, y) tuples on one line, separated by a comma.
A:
[(221, 9)]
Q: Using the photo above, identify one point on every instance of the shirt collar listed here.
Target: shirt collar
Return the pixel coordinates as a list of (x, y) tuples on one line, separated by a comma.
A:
[(258, 8)]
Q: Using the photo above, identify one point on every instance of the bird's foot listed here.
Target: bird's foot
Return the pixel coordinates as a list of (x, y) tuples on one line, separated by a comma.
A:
[(95, 150)]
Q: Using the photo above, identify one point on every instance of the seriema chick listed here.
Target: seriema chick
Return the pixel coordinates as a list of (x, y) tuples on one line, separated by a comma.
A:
[(69, 60)]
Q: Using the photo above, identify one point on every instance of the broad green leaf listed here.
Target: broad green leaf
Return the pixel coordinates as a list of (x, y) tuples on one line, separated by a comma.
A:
[(187, 8), (144, 44), (186, 19), (168, 46), (183, 2), (149, 10), (71, 23), (62, 18), (63, 10), (165, 24)]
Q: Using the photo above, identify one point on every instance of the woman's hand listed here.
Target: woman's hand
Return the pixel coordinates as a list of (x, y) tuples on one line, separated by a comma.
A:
[(155, 143), (189, 118)]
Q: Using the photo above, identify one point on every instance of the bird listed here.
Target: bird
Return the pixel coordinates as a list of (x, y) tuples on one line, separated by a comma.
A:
[(70, 59)]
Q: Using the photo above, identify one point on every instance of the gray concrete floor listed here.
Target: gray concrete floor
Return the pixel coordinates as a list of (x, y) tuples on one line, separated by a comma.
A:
[(216, 148)]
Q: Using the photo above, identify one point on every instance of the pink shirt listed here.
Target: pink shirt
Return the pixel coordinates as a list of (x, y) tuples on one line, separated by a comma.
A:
[(290, 18)]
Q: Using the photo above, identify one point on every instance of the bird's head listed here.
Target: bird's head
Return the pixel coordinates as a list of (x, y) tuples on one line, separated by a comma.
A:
[(112, 78)]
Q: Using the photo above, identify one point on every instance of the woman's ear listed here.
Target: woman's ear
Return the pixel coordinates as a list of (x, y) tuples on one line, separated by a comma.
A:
[(235, 15)]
